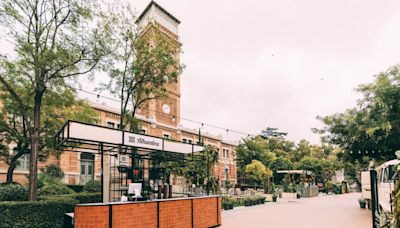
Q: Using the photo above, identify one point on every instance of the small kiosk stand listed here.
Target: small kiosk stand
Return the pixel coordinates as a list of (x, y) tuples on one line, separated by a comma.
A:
[(138, 195)]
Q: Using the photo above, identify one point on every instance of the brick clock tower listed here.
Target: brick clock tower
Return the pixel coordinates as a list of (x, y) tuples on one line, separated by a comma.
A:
[(155, 20)]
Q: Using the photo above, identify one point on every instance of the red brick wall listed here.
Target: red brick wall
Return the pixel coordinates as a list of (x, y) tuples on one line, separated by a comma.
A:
[(205, 211), (91, 216), (135, 215), (172, 213), (176, 213)]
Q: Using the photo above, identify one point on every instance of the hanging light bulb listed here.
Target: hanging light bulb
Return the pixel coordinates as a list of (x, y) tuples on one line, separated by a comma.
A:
[(173, 119), (359, 152)]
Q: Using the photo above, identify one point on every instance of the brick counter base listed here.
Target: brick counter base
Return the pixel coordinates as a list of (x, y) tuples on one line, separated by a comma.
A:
[(201, 212)]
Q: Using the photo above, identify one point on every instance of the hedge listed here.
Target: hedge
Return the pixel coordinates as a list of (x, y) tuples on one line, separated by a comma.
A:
[(35, 214), (49, 211), (92, 186), (83, 197), (13, 192)]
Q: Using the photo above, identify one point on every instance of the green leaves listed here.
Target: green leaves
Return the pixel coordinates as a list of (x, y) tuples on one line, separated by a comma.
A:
[(257, 170), (372, 129)]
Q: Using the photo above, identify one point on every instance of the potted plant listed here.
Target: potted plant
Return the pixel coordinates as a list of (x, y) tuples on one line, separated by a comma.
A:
[(274, 197), (362, 202), (231, 202), (298, 195), (225, 205), (231, 205), (247, 202), (262, 200)]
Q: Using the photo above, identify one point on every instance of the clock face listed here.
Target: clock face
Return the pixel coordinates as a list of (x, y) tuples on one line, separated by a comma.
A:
[(166, 109)]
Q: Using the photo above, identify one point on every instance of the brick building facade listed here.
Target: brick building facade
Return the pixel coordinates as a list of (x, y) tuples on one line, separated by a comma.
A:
[(158, 118)]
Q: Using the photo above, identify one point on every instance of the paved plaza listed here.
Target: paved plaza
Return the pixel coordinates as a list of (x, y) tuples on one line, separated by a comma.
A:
[(327, 211)]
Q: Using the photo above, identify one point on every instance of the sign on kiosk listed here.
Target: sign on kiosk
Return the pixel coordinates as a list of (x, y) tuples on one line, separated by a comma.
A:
[(142, 141)]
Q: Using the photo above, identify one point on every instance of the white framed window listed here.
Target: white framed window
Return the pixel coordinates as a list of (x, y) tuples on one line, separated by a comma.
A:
[(186, 140), (22, 162), (225, 153), (166, 135), (110, 124), (144, 131)]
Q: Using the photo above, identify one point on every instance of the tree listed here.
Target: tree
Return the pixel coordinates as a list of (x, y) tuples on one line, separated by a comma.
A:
[(143, 65), (281, 163), (54, 42), (323, 169), (253, 149), (270, 132), (200, 168), (372, 128), (57, 109), (256, 170)]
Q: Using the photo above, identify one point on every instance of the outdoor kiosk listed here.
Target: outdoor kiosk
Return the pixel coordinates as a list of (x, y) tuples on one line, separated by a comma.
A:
[(147, 153)]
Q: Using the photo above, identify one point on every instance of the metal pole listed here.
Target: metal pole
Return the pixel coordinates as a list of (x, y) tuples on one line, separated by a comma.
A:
[(374, 196), (102, 170)]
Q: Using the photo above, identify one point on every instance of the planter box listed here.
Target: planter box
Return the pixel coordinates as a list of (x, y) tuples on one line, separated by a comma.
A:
[(268, 197), (289, 195)]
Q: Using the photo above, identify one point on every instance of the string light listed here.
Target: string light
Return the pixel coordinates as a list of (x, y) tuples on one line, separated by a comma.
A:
[(171, 116)]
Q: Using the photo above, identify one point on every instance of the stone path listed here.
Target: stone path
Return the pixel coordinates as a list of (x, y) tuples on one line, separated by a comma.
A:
[(326, 211)]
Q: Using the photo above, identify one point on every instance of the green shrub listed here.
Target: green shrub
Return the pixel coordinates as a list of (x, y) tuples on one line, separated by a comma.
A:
[(55, 189), (83, 197), (53, 171), (88, 197), (13, 192), (76, 188), (35, 214), (92, 186), (44, 180)]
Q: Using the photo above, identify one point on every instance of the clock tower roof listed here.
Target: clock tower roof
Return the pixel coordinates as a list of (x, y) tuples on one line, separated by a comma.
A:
[(154, 13)]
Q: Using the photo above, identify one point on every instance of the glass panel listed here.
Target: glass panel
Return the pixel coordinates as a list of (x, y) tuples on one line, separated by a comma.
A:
[(391, 172), (90, 169), (83, 167)]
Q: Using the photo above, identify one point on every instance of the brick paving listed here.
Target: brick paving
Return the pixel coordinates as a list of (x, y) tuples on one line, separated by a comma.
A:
[(325, 211)]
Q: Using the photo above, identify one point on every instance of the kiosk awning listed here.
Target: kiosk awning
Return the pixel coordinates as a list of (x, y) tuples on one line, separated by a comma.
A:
[(74, 132)]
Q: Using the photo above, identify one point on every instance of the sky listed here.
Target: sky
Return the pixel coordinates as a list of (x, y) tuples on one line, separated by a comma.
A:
[(257, 64)]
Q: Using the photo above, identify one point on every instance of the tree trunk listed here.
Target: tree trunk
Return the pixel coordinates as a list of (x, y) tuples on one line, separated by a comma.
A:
[(35, 140), (11, 167)]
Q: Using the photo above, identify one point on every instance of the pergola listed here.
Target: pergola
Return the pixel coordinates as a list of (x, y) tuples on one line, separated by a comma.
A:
[(76, 136), (292, 173)]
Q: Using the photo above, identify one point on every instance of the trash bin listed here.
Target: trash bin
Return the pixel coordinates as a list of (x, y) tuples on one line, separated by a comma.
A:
[(69, 220)]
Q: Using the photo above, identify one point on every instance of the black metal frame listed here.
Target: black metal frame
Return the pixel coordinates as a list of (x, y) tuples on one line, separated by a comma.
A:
[(64, 142)]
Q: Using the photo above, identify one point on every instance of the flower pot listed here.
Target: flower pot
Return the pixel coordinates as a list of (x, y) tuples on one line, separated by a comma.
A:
[(231, 206), (363, 205), (226, 206), (274, 198)]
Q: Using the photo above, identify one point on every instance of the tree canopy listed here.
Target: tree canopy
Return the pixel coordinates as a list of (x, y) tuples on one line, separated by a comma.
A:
[(53, 43), (371, 129)]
